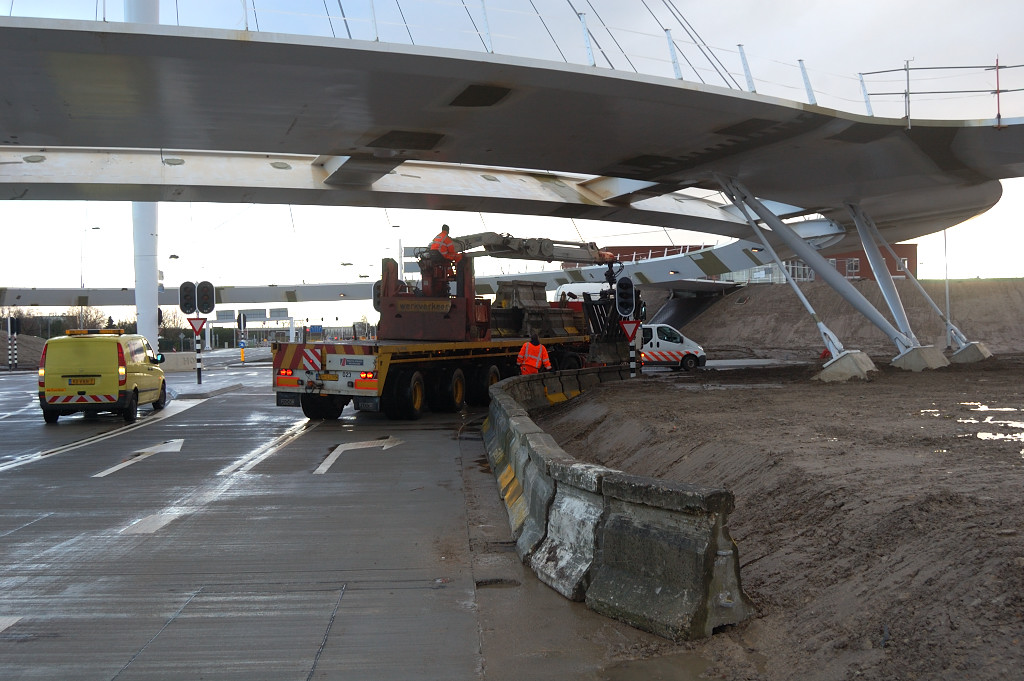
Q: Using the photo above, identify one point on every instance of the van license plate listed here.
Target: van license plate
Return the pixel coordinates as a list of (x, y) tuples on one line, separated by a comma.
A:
[(81, 381)]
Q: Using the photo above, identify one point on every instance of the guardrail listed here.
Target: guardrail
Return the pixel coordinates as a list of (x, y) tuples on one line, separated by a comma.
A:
[(651, 553)]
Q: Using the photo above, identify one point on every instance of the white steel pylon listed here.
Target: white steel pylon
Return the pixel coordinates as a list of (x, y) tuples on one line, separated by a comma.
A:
[(966, 351), (911, 354), (844, 364)]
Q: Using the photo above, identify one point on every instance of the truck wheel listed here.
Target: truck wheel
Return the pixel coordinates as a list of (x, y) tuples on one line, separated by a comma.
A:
[(453, 391), (51, 415), (333, 406), (314, 407), (412, 395), (483, 378), (131, 410), (690, 362)]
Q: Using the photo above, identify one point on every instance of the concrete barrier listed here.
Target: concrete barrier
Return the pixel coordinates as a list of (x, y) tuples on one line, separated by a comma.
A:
[(179, 361), (655, 554)]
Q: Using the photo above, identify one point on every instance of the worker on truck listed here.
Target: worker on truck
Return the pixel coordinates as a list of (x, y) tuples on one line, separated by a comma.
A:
[(444, 246), (533, 356)]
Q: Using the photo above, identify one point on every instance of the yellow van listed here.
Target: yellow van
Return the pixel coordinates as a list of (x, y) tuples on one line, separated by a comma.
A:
[(93, 371)]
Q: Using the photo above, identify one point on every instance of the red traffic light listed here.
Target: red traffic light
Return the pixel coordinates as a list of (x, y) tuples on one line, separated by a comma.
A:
[(206, 297)]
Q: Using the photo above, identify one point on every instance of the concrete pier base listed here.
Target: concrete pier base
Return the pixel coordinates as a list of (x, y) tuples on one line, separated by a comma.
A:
[(923, 357), (849, 364), (972, 352)]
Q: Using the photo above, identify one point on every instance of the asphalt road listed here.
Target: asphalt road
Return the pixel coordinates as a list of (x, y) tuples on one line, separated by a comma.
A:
[(226, 538)]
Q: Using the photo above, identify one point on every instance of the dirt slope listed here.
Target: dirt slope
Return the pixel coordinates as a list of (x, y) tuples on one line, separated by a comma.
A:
[(879, 522), (767, 320), (29, 349)]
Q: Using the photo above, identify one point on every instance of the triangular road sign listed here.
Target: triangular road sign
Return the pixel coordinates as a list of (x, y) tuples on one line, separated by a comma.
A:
[(196, 323), (629, 327)]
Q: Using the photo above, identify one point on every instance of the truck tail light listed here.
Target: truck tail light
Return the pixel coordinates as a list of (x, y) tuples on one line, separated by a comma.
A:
[(367, 374), (122, 370), (284, 372)]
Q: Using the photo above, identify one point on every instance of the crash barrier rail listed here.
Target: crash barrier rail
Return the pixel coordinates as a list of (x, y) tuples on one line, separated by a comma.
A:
[(654, 554)]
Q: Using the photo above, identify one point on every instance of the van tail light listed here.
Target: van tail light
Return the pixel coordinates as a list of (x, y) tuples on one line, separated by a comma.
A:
[(122, 371), (42, 369)]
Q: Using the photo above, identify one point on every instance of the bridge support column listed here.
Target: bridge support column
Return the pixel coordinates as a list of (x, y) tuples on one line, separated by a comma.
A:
[(966, 351), (912, 355), (144, 215), (845, 364), (144, 225)]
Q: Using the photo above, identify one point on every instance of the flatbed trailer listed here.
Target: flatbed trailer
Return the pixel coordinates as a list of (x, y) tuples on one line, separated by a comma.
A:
[(403, 378)]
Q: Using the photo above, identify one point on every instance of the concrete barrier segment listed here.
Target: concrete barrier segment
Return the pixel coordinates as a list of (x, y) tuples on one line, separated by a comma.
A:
[(564, 559), (584, 476), (727, 603), (655, 569), (672, 496), (652, 553)]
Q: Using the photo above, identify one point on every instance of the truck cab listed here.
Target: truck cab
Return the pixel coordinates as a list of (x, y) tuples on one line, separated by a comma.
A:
[(663, 345)]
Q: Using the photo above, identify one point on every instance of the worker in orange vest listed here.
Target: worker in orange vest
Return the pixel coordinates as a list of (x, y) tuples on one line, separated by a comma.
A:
[(444, 246), (533, 356)]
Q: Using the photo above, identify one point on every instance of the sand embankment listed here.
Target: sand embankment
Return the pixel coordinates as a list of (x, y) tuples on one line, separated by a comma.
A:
[(768, 320)]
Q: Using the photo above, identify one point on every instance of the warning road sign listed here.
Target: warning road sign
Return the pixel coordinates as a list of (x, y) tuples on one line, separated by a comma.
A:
[(196, 323), (629, 327)]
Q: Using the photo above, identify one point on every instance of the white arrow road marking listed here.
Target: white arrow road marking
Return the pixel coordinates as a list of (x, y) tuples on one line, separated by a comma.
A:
[(386, 443), (6, 622), (169, 446)]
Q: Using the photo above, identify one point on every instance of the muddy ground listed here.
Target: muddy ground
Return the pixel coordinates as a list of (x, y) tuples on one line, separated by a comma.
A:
[(879, 522)]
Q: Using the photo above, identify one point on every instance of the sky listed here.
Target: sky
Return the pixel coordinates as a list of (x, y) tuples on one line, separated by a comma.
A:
[(239, 244)]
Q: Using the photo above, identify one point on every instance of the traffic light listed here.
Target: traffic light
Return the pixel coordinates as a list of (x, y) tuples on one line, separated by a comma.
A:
[(159, 317), (187, 297), (625, 300), (241, 321), (206, 297)]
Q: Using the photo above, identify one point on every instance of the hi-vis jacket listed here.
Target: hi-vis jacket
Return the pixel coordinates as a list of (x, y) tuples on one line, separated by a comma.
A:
[(532, 358), (444, 245)]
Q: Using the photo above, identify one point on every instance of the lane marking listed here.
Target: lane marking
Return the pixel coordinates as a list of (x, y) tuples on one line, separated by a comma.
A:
[(176, 407), (7, 622), (150, 523), (143, 454), (256, 456), (31, 522), (386, 443)]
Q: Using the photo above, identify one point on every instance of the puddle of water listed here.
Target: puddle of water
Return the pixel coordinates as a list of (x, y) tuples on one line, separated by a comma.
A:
[(681, 667)]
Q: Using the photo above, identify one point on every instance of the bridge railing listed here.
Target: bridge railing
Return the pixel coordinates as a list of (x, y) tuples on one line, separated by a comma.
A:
[(646, 38)]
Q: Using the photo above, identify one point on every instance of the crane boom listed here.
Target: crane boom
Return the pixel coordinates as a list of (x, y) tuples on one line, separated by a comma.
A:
[(507, 246)]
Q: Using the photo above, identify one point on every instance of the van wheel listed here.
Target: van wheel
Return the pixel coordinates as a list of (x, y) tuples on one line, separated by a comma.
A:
[(690, 362), (131, 410), (51, 415), (161, 401)]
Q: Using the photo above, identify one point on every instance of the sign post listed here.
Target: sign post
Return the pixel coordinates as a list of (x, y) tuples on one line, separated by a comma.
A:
[(13, 327), (197, 326), (630, 328)]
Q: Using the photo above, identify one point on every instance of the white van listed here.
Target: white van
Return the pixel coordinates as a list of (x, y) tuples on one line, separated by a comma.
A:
[(665, 346)]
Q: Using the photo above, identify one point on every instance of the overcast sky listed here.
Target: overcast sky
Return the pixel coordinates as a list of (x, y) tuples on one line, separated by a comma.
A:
[(241, 244)]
